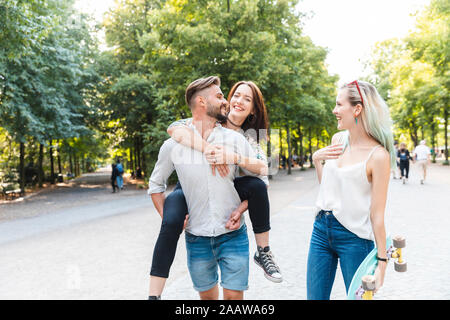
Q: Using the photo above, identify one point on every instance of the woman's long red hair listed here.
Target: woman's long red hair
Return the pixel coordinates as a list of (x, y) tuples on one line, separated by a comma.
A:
[(261, 119)]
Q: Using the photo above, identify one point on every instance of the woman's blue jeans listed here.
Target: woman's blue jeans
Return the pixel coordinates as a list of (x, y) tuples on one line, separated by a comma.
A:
[(330, 242)]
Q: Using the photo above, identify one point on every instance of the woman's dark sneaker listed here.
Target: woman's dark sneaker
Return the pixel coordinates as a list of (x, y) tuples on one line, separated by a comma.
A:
[(154, 297), (265, 259)]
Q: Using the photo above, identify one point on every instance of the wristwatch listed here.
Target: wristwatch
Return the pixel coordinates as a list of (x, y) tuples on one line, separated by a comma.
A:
[(382, 259)]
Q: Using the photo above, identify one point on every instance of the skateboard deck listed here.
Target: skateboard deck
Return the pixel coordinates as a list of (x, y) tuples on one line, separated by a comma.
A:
[(361, 291)]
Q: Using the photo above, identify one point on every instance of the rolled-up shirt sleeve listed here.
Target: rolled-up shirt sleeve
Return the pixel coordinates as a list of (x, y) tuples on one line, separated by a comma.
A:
[(163, 169), (246, 149), (182, 122)]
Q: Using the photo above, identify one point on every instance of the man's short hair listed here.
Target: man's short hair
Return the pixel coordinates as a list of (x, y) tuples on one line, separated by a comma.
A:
[(199, 85)]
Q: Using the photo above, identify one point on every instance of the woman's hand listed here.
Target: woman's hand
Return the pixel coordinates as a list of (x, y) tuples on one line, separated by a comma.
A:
[(220, 155), (235, 220), (212, 154), (379, 275), (328, 153)]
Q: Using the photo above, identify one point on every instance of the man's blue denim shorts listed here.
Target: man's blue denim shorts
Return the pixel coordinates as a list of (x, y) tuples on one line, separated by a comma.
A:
[(229, 252)]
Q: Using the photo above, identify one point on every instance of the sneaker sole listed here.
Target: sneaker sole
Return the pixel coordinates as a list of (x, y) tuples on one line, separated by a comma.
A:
[(268, 277)]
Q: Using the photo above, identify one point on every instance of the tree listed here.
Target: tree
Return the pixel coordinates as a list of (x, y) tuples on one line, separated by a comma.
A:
[(429, 43), (413, 74), (186, 42), (42, 92)]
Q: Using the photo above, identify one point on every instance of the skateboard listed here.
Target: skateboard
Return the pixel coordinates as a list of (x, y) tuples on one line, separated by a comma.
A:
[(363, 283)]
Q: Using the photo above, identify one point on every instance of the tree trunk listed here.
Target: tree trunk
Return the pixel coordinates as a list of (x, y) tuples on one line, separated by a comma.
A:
[(40, 165), (130, 152), (71, 161), (135, 156), (59, 161), (83, 163), (52, 164), (280, 136), (76, 167), (138, 147), (289, 160), (300, 137), (413, 134), (144, 161), (318, 140), (310, 148), (433, 140), (22, 168)]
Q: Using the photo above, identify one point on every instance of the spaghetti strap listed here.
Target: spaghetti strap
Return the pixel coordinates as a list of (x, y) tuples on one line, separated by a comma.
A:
[(372, 151)]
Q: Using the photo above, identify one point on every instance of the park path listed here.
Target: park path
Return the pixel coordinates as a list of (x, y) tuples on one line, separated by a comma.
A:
[(85, 243), (421, 213)]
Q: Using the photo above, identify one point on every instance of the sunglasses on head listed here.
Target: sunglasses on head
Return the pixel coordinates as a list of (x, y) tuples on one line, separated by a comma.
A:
[(359, 90)]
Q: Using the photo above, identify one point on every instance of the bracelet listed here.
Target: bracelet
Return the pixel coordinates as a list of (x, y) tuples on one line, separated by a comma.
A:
[(382, 259)]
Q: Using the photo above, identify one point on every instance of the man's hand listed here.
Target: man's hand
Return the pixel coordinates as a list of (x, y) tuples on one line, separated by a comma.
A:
[(235, 221), (185, 221)]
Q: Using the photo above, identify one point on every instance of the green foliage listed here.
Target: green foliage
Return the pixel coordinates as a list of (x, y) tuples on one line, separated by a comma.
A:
[(239, 40), (57, 88), (413, 75), (46, 77)]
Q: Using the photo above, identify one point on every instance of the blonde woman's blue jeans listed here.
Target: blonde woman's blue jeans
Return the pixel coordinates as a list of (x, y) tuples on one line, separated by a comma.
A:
[(331, 242)]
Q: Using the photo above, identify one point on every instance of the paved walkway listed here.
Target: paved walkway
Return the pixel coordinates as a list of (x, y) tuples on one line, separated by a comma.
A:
[(419, 212), (86, 243)]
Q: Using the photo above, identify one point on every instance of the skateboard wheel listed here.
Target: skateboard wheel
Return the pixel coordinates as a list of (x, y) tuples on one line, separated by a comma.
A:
[(400, 266), (368, 283), (399, 242)]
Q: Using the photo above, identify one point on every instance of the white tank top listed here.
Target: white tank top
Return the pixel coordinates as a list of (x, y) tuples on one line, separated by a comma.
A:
[(347, 192)]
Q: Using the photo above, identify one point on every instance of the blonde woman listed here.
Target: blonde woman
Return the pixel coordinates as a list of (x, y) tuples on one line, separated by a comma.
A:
[(353, 190)]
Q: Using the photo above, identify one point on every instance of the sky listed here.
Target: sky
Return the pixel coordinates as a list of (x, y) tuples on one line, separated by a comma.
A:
[(348, 28)]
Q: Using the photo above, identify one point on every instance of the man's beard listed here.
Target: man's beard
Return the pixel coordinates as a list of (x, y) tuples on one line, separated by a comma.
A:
[(216, 112)]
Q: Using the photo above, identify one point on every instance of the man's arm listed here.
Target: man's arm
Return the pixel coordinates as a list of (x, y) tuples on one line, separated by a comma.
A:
[(158, 201), (235, 218), (158, 180)]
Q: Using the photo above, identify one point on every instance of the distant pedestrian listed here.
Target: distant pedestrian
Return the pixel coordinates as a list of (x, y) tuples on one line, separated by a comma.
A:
[(114, 175), (404, 157), (119, 174), (422, 156), (138, 173)]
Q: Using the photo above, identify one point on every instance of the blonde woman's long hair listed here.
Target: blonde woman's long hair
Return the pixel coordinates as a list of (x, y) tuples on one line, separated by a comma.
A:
[(375, 115)]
